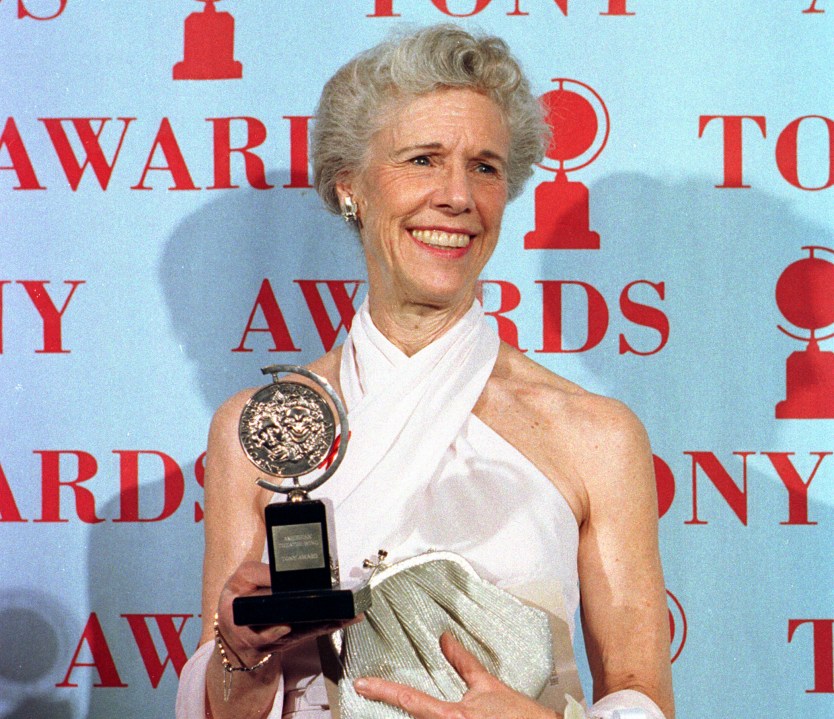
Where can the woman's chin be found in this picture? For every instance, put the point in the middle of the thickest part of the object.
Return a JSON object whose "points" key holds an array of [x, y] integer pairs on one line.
{"points": [[443, 295]]}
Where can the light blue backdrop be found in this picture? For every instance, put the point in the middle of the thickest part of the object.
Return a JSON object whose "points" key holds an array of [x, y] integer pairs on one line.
{"points": [[170, 279]]}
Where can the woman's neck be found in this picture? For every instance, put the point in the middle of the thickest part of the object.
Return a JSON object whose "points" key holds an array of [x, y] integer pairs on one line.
{"points": [[410, 327]]}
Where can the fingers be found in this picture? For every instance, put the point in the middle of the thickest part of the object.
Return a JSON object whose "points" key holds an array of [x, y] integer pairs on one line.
{"points": [[248, 641], [464, 662], [266, 636], [412, 701], [249, 577], [419, 704]]}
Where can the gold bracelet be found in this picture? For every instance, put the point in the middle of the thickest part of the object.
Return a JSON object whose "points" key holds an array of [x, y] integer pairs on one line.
{"points": [[228, 668]]}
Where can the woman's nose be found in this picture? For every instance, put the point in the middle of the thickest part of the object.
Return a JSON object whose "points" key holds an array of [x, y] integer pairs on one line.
{"points": [[454, 190]]}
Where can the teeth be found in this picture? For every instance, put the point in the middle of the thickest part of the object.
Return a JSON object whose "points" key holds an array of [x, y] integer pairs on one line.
{"points": [[441, 239]]}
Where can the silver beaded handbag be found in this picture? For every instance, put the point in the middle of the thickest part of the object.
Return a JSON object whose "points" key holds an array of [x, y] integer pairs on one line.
{"points": [[414, 602]]}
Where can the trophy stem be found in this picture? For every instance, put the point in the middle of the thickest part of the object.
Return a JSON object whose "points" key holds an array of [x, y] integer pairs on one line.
{"points": [[297, 495]]}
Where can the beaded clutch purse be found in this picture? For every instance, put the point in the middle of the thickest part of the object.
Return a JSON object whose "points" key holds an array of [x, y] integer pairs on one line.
{"points": [[414, 602]]}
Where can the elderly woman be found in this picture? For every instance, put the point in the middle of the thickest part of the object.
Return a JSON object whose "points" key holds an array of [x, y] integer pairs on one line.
{"points": [[420, 142]]}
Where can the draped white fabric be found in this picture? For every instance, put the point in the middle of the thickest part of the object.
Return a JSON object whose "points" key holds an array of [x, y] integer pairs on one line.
{"points": [[404, 413]]}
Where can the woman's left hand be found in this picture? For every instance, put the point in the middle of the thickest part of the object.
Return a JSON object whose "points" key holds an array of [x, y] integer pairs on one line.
{"points": [[486, 697]]}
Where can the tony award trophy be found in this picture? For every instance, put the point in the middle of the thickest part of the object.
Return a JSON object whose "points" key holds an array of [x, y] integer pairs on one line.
{"points": [[287, 430]]}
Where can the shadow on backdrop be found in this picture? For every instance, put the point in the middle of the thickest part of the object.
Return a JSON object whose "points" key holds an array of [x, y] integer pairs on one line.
{"points": [[35, 657], [215, 262], [719, 254]]}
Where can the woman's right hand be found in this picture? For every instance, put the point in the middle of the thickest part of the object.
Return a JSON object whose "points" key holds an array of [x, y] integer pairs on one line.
{"points": [[252, 693], [251, 643]]}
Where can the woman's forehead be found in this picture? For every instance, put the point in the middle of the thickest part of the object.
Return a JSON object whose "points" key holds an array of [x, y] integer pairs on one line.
{"points": [[442, 116]]}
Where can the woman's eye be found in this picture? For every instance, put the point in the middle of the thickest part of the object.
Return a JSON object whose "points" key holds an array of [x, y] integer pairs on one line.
{"points": [[421, 161], [486, 168]]}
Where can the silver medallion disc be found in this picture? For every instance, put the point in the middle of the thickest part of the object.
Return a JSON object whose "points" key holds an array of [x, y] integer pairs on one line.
{"points": [[287, 429]]}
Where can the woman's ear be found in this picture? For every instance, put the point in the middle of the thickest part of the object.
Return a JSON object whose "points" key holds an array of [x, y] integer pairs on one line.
{"points": [[348, 203], [345, 187]]}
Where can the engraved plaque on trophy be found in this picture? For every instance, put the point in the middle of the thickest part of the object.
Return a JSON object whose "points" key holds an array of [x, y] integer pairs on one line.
{"points": [[287, 429]]}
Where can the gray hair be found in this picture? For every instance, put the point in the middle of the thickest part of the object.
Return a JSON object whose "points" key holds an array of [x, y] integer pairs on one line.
{"points": [[353, 104]]}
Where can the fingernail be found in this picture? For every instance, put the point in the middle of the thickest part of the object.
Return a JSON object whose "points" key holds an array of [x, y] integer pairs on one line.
{"points": [[361, 684]]}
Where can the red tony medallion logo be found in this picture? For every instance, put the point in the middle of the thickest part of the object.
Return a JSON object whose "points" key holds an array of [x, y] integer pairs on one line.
{"points": [[580, 124], [805, 296], [209, 52]]}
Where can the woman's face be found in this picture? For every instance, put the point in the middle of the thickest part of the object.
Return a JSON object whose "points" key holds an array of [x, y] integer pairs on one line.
{"points": [[431, 197]]}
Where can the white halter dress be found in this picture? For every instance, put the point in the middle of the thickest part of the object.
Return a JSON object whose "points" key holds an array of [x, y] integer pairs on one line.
{"points": [[421, 472]]}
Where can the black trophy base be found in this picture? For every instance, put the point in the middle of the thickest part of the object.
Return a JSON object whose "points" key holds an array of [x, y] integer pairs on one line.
{"points": [[302, 606]]}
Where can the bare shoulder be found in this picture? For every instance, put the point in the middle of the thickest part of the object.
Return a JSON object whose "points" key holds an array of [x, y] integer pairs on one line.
{"points": [[540, 398], [576, 438], [228, 414]]}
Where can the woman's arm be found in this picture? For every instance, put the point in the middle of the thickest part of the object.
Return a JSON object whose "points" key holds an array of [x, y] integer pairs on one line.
{"points": [[597, 454], [234, 545], [234, 534], [623, 597]]}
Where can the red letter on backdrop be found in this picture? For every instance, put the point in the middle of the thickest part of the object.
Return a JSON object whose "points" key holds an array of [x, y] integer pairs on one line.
{"points": [[21, 164], [50, 315], [23, 11], [85, 501], [275, 324], [813, 8], [8, 507], [787, 152], [200, 476], [665, 482], [722, 481], [823, 653], [384, 8], [510, 299], [480, 5], [344, 305], [518, 12], [172, 481], [166, 141], [618, 7], [645, 316], [254, 165], [102, 662], [299, 150], [797, 488], [171, 636], [94, 155], [733, 144], [552, 316]]}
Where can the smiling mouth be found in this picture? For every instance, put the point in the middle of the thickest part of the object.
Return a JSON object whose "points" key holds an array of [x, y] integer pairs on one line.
{"points": [[438, 238]]}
